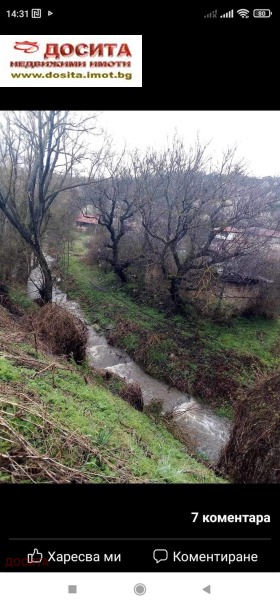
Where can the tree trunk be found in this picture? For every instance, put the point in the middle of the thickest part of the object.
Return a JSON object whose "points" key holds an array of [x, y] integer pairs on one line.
{"points": [[120, 273], [117, 265], [174, 291], [46, 287]]}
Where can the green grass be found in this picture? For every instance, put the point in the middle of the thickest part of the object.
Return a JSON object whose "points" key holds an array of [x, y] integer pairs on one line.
{"points": [[130, 342], [8, 372], [19, 297], [254, 336], [104, 299], [79, 245], [225, 411], [134, 445]]}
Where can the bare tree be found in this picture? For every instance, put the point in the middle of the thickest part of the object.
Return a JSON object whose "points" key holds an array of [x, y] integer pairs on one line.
{"points": [[115, 202], [42, 154], [184, 210]]}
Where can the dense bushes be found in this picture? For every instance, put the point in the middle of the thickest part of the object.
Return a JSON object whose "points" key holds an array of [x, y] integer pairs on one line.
{"points": [[253, 451]]}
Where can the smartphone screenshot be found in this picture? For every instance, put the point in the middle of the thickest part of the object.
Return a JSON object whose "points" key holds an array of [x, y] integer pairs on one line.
{"points": [[139, 305]]}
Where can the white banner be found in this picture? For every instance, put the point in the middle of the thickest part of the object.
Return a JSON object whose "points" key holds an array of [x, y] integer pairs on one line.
{"points": [[70, 61]]}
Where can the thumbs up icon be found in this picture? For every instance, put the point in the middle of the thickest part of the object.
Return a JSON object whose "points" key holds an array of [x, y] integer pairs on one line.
{"points": [[35, 557]]}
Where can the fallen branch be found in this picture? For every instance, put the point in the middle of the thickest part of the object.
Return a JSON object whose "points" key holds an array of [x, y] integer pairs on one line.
{"points": [[48, 467], [39, 372]]}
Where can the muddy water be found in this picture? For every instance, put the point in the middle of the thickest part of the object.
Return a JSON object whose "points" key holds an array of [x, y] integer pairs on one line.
{"points": [[208, 431]]}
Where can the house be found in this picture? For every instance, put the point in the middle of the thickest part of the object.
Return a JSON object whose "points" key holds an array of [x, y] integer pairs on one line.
{"points": [[241, 290], [241, 280], [270, 235], [83, 221], [230, 238]]}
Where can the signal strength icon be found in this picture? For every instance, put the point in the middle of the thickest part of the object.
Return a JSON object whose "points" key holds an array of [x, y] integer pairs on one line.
{"points": [[228, 15], [243, 12], [212, 15]]}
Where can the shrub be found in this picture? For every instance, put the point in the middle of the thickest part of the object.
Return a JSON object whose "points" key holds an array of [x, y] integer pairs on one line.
{"points": [[253, 451], [131, 392], [62, 331]]}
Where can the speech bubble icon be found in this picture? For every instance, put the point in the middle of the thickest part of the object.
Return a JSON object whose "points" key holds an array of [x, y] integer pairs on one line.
{"points": [[160, 555]]}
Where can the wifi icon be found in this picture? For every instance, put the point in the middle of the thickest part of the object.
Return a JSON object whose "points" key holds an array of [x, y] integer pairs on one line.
{"points": [[243, 12]]}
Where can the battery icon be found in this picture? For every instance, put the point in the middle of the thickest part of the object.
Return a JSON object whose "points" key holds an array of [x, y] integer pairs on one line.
{"points": [[262, 13]]}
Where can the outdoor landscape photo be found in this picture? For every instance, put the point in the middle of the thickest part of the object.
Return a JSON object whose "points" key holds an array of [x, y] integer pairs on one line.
{"points": [[139, 297]]}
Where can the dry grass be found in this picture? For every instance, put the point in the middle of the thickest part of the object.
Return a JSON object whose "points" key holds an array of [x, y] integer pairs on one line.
{"points": [[253, 451], [21, 409], [24, 461], [6, 320], [58, 444], [64, 333]]}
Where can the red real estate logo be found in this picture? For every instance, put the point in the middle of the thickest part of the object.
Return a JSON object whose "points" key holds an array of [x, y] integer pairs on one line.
{"points": [[107, 49], [26, 46]]}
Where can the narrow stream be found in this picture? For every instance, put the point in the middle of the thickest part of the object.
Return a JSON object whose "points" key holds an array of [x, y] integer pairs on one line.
{"points": [[194, 419]]}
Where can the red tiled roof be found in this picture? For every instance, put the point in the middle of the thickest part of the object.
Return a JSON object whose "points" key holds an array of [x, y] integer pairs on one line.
{"points": [[258, 231], [89, 219]]}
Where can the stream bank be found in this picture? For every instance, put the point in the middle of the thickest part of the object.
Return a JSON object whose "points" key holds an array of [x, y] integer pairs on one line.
{"points": [[195, 420]]}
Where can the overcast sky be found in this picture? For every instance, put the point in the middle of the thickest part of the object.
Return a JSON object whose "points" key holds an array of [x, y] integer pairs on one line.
{"points": [[257, 134]]}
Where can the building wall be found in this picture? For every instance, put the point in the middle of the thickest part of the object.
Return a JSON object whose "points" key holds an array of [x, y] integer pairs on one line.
{"points": [[239, 295], [153, 276], [90, 227]]}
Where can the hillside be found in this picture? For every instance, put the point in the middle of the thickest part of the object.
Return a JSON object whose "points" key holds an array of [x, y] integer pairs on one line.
{"points": [[60, 423]]}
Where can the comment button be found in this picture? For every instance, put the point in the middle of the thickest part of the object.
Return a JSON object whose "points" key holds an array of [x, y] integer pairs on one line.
{"points": [[160, 555]]}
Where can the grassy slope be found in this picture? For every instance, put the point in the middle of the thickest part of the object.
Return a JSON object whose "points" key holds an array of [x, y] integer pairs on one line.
{"points": [[211, 361], [83, 428]]}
